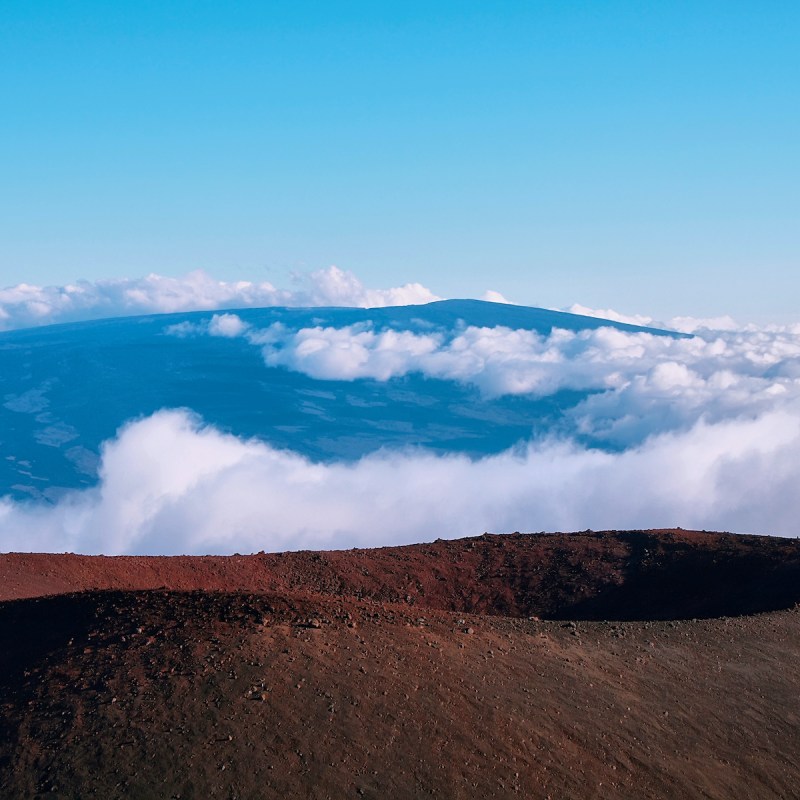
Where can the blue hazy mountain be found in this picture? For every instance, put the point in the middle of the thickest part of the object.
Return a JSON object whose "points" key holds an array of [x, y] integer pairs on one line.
{"points": [[64, 389]]}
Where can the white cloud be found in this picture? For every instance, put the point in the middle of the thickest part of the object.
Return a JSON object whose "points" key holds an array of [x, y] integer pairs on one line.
{"points": [[681, 324], [228, 326], [337, 287], [498, 360], [171, 485], [345, 353], [27, 306], [184, 329], [696, 325], [609, 313], [491, 296], [640, 383]]}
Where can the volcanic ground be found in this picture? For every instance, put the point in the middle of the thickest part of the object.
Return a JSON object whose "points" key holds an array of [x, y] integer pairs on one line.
{"points": [[640, 664]]}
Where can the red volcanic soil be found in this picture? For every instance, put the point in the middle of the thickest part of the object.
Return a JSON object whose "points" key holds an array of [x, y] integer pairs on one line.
{"points": [[663, 574], [666, 667]]}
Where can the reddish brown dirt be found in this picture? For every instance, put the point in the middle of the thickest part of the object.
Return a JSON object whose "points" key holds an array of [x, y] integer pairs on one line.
{"points": [[665, 574], [290, 684]]}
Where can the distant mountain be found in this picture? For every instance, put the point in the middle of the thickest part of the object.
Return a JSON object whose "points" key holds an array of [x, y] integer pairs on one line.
{"points": [[64, 389]]}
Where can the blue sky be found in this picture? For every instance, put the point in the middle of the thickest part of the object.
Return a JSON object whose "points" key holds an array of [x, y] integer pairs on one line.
{"points": [[640, 156]]}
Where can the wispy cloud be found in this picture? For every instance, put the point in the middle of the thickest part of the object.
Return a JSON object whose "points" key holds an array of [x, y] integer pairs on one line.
{"points": [[683, 324], [609, 313]]}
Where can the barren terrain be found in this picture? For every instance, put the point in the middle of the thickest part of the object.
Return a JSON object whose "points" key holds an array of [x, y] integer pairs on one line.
{"points": [[644, 664]]}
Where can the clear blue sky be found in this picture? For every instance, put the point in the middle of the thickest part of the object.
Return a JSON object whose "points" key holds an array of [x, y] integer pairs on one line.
{"points": [[638, 155]]}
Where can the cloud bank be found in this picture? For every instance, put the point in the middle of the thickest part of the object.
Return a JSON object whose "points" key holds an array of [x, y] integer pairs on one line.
{"points": [[637, 384], [25, 306], [171, 485]]}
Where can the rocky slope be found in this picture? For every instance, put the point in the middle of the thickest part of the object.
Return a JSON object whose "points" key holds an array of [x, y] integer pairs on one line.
{"points": [[408, 672]]}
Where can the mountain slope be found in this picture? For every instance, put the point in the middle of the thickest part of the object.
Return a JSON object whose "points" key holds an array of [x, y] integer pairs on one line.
{"points": [[307, 690]]}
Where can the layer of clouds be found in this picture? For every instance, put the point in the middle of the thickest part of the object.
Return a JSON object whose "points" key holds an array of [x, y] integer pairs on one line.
{"points": [[171, 485], [637, 383], [26, 306]]}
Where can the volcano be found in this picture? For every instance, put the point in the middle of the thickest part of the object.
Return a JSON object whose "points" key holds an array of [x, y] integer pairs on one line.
{"points": [[644, 664]]}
